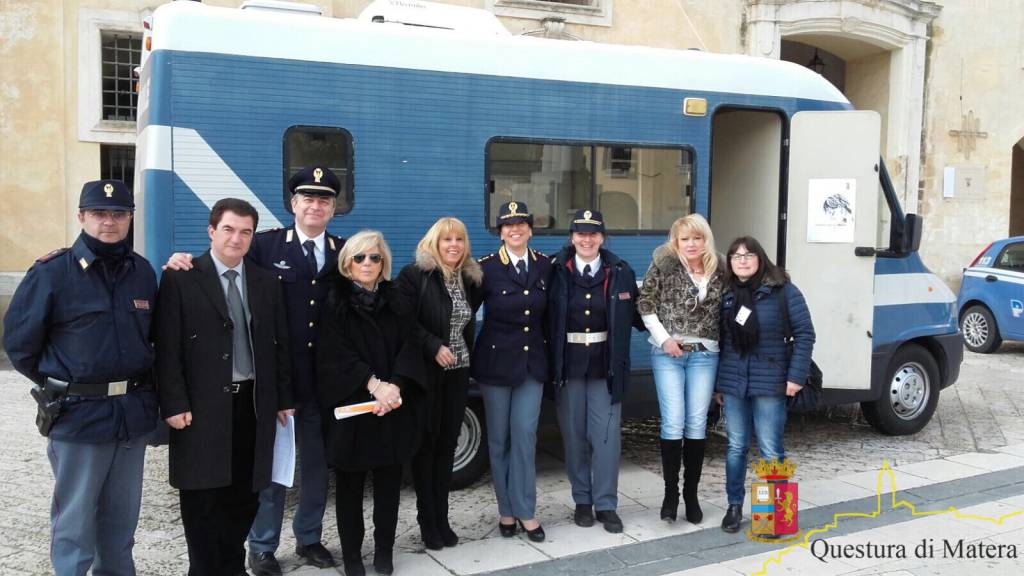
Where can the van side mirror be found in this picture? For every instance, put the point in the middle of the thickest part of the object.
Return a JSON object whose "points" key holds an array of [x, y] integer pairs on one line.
{"points": [[911, 240]]}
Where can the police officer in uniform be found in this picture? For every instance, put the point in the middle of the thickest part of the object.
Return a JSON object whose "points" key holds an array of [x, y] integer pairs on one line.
{"points": [[304, 257], [78, 328], [510, 364], [592, 311]]}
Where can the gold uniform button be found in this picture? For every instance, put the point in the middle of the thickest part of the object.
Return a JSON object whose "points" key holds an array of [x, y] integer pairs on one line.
{"points": [[279, 278], [309, 344], [587, 330], [586, 312], [527, 312], [526, 328], [313, 282], [588, 296], [526, 348], [526, 292], [311, 324], [586, 344], [312, 302]]}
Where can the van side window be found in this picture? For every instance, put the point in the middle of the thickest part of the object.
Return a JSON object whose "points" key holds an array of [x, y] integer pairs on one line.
{"points": [[637, 189], [321, 145]]}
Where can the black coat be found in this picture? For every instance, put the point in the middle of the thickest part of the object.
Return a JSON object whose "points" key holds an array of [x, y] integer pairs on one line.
{"points": [[620, 298], [193, 361], [511, 345], [355, 343]]}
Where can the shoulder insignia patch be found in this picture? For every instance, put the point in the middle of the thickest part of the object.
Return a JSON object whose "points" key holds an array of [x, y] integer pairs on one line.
{"points": [[52, 255], [537, 254], [485, 258], [269, 230]]}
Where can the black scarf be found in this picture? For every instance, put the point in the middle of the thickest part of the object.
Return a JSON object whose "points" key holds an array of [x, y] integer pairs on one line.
{"points": [[745, 335], [110, 257], [363, 299]]}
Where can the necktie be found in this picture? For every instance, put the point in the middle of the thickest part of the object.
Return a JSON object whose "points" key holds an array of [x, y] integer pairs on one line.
{"points": [[521, 268], [241, 353], [586, 270], [310, 247]]}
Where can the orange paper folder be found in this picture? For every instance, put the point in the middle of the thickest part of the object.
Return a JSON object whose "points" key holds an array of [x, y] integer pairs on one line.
{"points": [[342, 412]]}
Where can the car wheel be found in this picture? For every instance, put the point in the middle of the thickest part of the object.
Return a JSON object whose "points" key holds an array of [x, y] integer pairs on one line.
{"points": [[979, 328], [471, 457], [909, 395]]}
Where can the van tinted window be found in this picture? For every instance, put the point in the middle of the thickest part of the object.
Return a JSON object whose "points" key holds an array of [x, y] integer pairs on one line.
{"points": [[637, 189], [325, 146]]}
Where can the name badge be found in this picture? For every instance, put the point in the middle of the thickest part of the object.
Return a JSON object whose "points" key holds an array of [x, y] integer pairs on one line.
{"points": [[742, 315], [625, 295], [141, 304]]}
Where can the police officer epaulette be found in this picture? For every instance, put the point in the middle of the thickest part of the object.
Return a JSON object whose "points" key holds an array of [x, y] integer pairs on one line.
{"points": [[52, 255], [278, 229], [537, 254], [486, 258]]}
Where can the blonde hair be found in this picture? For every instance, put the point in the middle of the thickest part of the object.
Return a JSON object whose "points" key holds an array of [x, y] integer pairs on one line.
{"points": [[359, 243], [695, 224], [430, 241]]}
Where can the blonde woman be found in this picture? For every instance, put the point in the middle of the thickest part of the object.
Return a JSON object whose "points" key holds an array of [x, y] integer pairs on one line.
{"points": [[363, 355], [680, 306], [438, 294]]}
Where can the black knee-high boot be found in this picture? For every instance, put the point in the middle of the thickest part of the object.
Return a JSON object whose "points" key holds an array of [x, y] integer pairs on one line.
{"points": [[670, 456], [693, 464]]}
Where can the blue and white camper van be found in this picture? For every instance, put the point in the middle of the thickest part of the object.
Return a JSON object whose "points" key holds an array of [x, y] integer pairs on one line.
{"points": [[428, 110]]}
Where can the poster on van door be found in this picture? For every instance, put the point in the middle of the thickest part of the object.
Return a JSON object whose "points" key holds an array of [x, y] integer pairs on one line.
{"points": [[831, 207]]}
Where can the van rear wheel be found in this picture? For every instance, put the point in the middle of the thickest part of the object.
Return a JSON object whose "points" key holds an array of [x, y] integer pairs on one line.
{"points": [[909, 395], [979, 328], [471, 457]]}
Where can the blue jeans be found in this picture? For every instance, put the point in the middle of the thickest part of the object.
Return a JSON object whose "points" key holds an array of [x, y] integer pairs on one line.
{"points": [[685, 385], [96, 496], [768, 415]]}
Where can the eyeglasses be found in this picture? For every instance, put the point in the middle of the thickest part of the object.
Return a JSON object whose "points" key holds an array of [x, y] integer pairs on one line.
{"points": [[375, 258], [118, 215], [738, 257]]}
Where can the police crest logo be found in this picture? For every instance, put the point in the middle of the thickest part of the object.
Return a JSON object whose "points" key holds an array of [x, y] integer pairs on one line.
{"points": [[774, 502], [587, 215], [317, 175], [108, 189], [513, 208]]}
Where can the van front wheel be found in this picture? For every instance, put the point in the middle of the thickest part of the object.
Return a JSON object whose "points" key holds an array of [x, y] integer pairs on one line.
{"points": [[471, 457], [909, 394]]}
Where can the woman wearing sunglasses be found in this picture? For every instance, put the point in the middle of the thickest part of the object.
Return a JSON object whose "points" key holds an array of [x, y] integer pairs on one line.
{"points": [[510, 364], [439, 293], [362, 356], [680, 302], [759, 369]]}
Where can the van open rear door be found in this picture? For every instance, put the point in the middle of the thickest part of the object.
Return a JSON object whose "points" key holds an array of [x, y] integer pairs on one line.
{"points": [[831, 225]]}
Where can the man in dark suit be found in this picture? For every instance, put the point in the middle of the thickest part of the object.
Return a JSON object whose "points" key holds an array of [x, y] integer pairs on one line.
{"points": [[304, 257], [224, 375]]}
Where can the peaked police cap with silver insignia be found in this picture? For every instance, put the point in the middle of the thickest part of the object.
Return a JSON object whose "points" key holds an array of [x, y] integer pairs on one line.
{"points": [[315, 181], [106, 195]]}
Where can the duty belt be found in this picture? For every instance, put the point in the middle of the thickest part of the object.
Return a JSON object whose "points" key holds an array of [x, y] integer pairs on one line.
{"points": [[586, 337], [97, 389]]}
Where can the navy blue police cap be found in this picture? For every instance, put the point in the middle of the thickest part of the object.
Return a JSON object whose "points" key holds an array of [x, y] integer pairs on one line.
{"points": [[587, 221], [106, 195], [315, 181], [513, 213]]}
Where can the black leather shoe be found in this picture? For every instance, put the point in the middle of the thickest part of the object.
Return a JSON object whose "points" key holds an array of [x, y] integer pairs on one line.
{"points": [[315, 554], [264, 564], [584, 515], [733, 517], [448, 536], [506, 530], [382, 562], [535, 535], [612, 522], [355, 568], [431, 537]]}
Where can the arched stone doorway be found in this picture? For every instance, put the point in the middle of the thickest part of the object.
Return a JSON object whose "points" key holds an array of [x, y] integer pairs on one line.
{"points": [[1017, 190], [881, 46]]}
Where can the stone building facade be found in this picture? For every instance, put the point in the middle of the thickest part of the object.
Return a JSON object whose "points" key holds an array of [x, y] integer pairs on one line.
{"points": [[945, 77]]}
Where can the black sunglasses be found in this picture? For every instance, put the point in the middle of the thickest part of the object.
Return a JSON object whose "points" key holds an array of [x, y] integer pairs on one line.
{"points": [[375, 258]]}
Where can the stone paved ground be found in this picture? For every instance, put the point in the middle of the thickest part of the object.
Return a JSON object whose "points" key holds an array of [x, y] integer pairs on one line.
{"points": [[984, 410]]}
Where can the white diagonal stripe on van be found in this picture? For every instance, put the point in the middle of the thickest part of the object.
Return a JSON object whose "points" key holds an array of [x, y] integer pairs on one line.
{"points": [[917, 288], [210, 178], [1010, 276]]}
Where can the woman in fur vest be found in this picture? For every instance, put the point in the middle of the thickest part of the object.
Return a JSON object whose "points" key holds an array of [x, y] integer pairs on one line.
{"points": [[680, 305], [439, 294]]}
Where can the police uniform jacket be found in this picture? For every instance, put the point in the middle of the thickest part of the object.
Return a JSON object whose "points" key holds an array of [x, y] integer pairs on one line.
{"points": [[618, 292], [193, 342], [361, 339], [511, 345], [279, 251], [65, 323]]}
